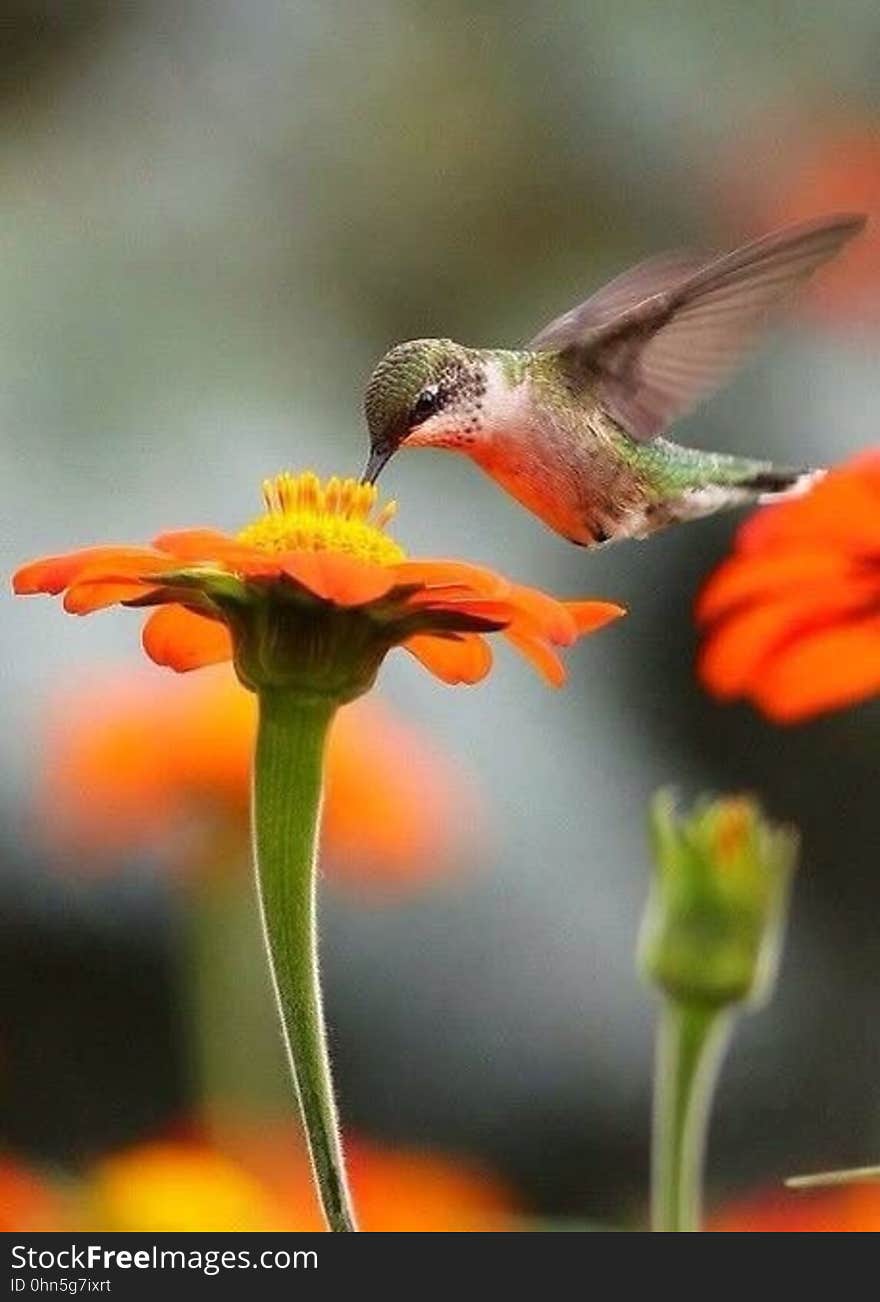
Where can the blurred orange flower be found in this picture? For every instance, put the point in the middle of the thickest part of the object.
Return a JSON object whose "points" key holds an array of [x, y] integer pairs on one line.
{"points": [[315, 554], [28, 1201], [792, 619], [800, 170], [848, 1209], [139, 761], [261, 1181]]}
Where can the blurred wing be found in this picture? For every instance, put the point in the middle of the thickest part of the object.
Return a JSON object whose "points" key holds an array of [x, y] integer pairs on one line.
{"points": [[654, 276], [660, 337]]}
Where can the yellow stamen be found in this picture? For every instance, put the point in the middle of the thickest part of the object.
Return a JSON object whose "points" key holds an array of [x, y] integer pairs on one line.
{"points": [[304, 515]]}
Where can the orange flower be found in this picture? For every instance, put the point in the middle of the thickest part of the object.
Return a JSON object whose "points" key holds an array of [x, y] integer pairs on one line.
{"points": [[260, 1182], [850, 1209], [796, 171], [28, 1202], [307, 601], [163, 764], [416, 816], [792, 619], [314, 555], [171, 1186]]}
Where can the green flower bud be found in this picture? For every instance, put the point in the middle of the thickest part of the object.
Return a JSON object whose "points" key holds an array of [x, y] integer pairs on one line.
{"points": [[713, 928]]}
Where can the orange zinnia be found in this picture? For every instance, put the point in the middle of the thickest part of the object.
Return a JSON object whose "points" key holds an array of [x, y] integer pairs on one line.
{"points": [[851, 1209], [792, 619], [259, 1182], [801, 168], [29, 1203], [314, 553], [160, 763], [307, 601]]}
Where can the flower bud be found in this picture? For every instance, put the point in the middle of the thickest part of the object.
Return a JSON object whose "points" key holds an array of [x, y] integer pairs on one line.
{"points": [[713, 929]]}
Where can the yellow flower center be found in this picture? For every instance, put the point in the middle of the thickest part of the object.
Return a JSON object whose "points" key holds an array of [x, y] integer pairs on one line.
{"points": [[304, 515]]}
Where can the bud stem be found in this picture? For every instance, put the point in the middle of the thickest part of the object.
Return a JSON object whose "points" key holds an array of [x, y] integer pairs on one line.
{"points": [[288, 781], [691, 1041]]}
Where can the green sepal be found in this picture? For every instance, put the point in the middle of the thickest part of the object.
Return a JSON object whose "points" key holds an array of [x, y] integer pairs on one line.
{"points": [[715, 920]]}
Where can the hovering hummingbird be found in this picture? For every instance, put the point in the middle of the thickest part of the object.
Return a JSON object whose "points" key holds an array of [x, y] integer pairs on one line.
{"points": [[572, 425]]}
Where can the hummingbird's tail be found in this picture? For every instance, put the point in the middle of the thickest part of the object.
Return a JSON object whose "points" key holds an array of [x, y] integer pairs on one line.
{"points": [[697, 484], [774, 483]]}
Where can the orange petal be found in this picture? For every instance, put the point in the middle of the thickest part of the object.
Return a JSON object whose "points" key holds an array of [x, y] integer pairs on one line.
{"points": [[755, 576], [54, 573], [842, 510], [866, 464], [539, 655], [84, 598], [97, 586], [734, 650], [180, 639], [203, 545], [845, 1209], [440, 593], [737, 648], [834, 668], [592, 615], [455, 573], [548, 617], [464, 659], [336, 577], [498, 613]]}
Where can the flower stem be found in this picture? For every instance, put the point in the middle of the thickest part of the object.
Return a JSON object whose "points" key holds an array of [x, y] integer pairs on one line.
{"points": [[691, 1041], [288, 779]]}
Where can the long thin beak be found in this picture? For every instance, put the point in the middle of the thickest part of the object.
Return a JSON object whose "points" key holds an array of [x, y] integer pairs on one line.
{"points": [[378, 458]]}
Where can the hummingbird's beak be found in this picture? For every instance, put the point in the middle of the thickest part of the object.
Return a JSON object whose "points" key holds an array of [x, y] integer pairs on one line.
{"points": [[376, 461]]}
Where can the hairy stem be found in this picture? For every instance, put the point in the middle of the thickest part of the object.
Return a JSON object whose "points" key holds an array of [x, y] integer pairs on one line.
{"points": [[288, 780]]}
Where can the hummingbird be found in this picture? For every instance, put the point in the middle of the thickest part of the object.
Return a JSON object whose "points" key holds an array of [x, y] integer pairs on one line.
{"points": [[573, 425]]}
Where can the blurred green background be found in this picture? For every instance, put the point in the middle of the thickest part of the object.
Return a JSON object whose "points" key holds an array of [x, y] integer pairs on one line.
{"points": [[214, 219]]}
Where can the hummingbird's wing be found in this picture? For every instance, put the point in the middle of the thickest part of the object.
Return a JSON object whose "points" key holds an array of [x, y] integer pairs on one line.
{"points": [[661, 336]]}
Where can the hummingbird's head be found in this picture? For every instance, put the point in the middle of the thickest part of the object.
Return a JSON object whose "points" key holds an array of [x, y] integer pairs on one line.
{"points": [[425, 393]]}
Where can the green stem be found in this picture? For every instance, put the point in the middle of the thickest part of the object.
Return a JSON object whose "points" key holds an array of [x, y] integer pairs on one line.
{"points": [[691, 1041], [288, 779]]}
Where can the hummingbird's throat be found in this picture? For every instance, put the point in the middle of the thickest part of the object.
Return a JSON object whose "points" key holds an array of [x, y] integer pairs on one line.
{"points": [[304, 515]]}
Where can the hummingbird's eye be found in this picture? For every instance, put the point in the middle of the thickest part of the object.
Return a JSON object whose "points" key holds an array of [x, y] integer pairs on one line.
{"points": [[426, 404]]}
